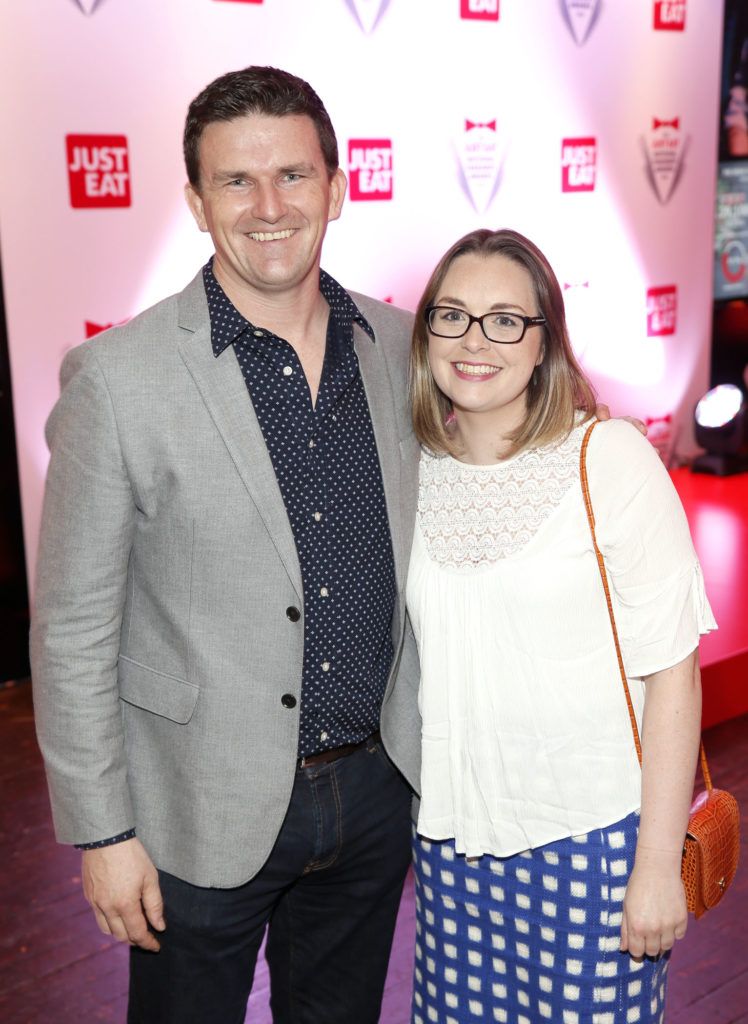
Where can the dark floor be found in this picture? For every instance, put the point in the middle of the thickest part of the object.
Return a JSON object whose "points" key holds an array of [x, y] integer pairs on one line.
{"points": [[55, 966]]}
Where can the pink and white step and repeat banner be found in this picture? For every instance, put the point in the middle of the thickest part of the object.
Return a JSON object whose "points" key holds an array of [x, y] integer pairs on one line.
{"points": [[589, 125]]}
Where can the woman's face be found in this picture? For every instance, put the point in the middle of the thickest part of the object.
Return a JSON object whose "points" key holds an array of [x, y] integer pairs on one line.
{"points": [[478, 375]]}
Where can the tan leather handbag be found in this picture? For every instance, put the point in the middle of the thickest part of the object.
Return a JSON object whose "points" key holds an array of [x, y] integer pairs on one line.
{"points": [[712, 843]]}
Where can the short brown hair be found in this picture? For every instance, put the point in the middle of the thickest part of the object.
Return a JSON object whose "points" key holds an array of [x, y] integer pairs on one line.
{"points": [[558, 386], [255, 90]]}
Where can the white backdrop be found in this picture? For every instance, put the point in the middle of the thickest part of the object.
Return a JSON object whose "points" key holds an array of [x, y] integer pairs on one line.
{"points": [[590, 125]]}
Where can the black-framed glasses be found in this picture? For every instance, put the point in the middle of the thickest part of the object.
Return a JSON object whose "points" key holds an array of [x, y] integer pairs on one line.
{"points": [[499, 325]]}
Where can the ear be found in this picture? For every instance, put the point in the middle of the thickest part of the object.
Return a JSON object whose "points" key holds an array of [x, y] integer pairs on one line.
{"points": [[195, 204], [338, 186]]}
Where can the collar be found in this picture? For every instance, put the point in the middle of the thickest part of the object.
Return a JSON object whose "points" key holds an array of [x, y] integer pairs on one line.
{"points": [[227, 324]]}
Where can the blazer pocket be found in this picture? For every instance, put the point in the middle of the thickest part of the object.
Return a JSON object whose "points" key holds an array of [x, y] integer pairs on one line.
{"points": [[157, 692]]}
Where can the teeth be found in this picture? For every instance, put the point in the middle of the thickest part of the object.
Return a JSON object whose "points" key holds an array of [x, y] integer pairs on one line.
{"points": [[269, 236], [476, 371]]}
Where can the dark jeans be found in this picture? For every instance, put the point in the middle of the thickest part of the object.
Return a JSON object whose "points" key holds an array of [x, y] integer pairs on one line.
{"points": [[330, 891]]}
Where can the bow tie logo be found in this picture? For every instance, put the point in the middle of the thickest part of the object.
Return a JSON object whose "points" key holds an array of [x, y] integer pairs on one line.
{"points": [[469, 125], [656, 123], [649, 420]]}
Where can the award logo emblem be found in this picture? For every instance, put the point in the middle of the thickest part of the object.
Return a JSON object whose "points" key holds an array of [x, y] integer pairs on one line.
{"points": [[669, 16], [662, 308], [480, 10], [480, 158], [578, 165], [664, 154], [368, 12], [88, 6], [370, 169], [581, 17], [98, 170]]}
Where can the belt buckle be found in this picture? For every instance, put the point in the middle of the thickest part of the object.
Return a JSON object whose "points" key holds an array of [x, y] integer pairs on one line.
{"points": [[310, 760]]}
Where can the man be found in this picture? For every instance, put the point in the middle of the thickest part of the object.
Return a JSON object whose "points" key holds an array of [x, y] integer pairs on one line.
{"points": [[220, 619]]}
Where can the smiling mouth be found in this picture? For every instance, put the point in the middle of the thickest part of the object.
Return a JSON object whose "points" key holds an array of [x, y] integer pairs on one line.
{"points": [[477, 370], [270, 236]]}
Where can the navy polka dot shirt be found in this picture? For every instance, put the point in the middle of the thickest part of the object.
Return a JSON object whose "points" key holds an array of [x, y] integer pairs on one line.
{"points": [[326, 463]]}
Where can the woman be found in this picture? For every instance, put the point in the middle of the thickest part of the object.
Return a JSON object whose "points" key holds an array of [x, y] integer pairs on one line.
{"points": [[535, 898]]}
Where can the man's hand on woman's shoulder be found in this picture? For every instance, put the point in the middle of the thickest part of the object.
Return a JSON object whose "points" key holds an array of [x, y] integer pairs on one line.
{"points": [[602, 412]]}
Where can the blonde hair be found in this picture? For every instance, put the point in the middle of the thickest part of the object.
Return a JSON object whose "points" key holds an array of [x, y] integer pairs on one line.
{"points": [[558, 386]]}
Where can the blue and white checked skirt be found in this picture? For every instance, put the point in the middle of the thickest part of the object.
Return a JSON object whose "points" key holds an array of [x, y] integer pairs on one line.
{"points": [[532, 937]]}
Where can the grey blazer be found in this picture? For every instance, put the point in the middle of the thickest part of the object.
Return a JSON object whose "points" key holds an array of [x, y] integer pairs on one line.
{"points": [[160, 643]]}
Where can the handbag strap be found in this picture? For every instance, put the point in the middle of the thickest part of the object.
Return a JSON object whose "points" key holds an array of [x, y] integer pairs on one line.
{"points": [[604, 577]]}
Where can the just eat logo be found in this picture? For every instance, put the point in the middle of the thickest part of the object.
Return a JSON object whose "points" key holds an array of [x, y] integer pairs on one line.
{"points": [[670, 16], [480, 10], [578, 165], [662, 308], [98, 170], [370, 168]]}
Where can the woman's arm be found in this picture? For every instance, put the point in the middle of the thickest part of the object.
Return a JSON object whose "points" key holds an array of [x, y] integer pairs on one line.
{"points": [[654, 909]]}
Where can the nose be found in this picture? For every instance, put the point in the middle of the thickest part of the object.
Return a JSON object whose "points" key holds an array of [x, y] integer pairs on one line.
{"points": [[267, 203], [475, 340]]}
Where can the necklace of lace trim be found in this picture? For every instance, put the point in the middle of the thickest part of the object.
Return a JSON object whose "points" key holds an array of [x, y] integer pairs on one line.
{"points": [[472, 516]]}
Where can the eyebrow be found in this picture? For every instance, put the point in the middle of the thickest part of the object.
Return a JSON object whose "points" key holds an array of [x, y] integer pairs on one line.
{"points": [[301, 166], [449, 300], [219, 176]]}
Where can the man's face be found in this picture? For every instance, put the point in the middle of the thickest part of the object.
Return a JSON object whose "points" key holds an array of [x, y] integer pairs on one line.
{"points": [[266, 198]]}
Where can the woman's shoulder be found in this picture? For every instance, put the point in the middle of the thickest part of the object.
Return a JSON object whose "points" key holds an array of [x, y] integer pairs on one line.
{"points": [[622, 463], [618, 442]]}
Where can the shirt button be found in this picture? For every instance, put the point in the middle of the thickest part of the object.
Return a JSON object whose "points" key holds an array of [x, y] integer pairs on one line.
{"points": [[324, 592], [325, 666], [323, 736], [312, 443], [317, 516], [288, 700], [259, 334], [293, 614], [287, 371]]}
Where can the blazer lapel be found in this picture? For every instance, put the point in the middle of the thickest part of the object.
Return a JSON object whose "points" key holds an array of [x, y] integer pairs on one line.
{"points": [[222, 388], [394, 455]]}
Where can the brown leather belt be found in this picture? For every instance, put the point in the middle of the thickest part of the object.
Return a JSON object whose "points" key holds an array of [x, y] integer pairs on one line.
{"points": [[328, 756]]}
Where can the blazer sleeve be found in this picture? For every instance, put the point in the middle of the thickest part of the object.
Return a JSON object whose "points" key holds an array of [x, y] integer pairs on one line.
{"points": [[87, 529]]}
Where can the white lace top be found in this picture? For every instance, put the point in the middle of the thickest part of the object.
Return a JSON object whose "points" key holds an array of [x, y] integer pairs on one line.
{"points": [[526, 738]]}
